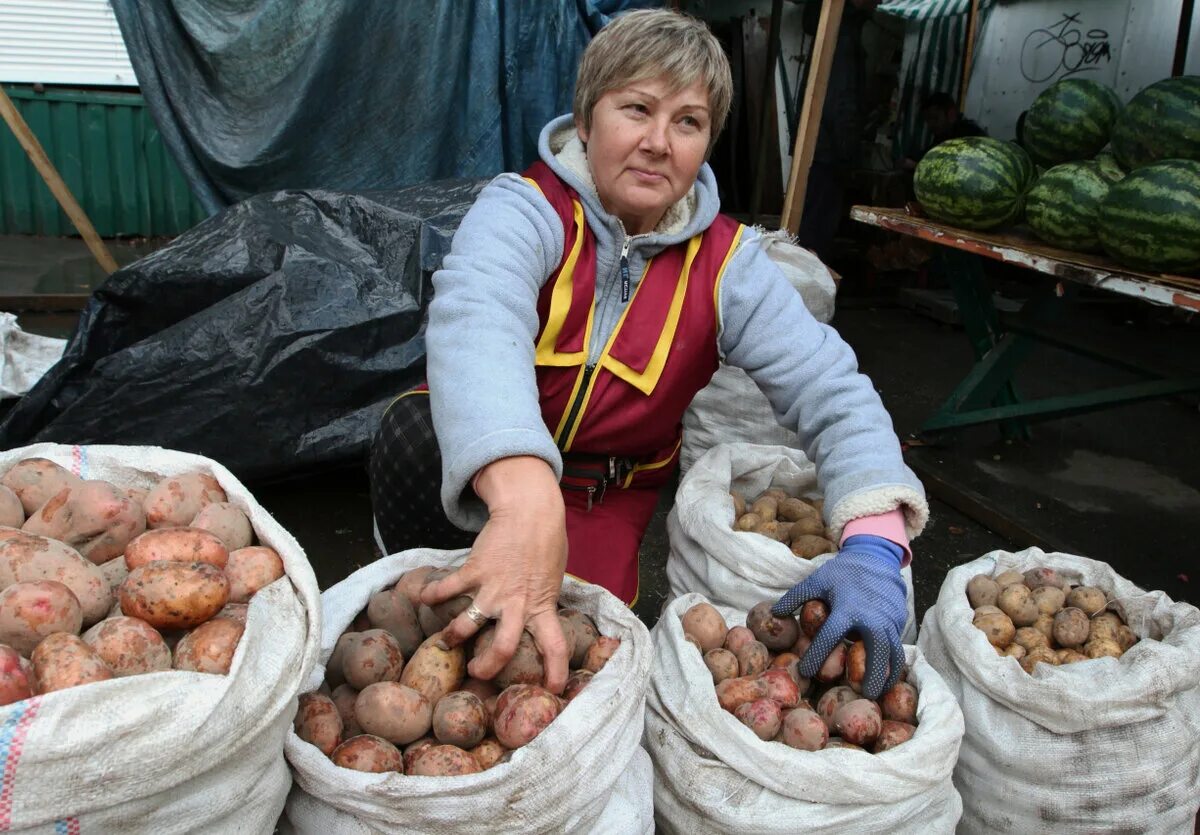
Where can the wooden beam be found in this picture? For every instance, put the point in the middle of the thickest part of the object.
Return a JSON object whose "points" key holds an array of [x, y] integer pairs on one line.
{"points": [[968, 54], [824, 45], [1181, 41], [37, 155]]}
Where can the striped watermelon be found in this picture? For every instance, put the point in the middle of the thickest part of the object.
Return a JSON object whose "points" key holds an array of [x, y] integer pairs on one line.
{"points": [[1021, 158], [1151, 219], [974, 181], [1070, 120], [1161, 122], [1109, 167], [1062, 205]]}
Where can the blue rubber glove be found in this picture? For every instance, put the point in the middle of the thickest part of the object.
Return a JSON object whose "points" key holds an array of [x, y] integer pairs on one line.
{"points": [[864, 591]]}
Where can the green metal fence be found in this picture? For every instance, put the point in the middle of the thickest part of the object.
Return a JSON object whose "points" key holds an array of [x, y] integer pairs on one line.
{"points": [[109, 151]]}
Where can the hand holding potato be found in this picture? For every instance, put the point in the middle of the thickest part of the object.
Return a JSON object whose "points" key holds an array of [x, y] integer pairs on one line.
{"points": [[515, 569]]}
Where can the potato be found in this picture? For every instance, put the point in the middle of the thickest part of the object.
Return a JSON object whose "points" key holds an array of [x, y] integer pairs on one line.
{"points": [[115, 572], [344, 696], [1104, 625], [251, 569], [489, 753], [996, 627], [63, 660], [776, 493], [856, 665], [838, 742], [576, 682], [234, 611], [459, 718], [1033, 657], [804, 730], [520, 719], [393, 712], [374, 657], [783, 659], [706, 624], [1070, 656], [1008, 578], [739, 503], [793, 510], [209, 648], [807, 546], [1089, 599], [831, 700], [1049, 599], [753, 659], [483, 689], [775, 633], [1102, 648], [35, 481], [891, 734], [1045, 625], [765, 508], [16, 682], [738, 637], [858, 722], [434, 671], [227, 522], [526, 665], [982, 590], [773, 530], [444, 761], [900, 703], [834, 666], [568, 629], [808, 526], [1126, 637], [368, 753], [29, 612], [411, 583], [318, 722], [801, 646], [437, 617], [12, 513], [1037, 578], [333, 664], [747, 522], [1016, 602], [722, 664], [1071, 627], [176, 545], [793, 670], [812, 617], [599, 653], [414, 749], [174, 502], [93, 517], [391, 611], [174, 595], [761, 716], [129, 646], [1027, 637], [1014, 651], [781, 687], [736, 691], [27, 558], [585, 634]]}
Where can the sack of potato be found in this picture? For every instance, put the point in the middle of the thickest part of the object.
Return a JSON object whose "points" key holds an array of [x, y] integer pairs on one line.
{"points": [[457, 754], [713, 773], [712, 557], [151, 648], [1073, 725]]}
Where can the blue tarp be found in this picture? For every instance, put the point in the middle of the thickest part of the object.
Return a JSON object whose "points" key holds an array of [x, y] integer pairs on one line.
{"points": [[259, 95]]}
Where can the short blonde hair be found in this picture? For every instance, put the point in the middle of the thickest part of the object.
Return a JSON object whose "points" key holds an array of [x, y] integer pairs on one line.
{"points": [[647, 44]]}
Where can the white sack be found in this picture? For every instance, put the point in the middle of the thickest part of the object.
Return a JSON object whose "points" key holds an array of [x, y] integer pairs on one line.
{"points": [[735, 568], [24, 357], [713, 775], [732, 408], [582, 774], [171, 751], [1103, 745]]}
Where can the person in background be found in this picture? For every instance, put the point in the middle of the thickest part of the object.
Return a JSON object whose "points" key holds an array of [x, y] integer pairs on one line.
{"points": [[941, 116]]}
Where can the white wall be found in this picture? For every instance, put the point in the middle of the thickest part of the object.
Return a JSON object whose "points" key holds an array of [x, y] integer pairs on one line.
{"points": [[62, 42], [1192, 65], [1026, 46]]}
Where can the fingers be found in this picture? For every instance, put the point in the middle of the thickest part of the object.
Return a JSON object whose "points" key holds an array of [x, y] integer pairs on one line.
{"points": [[462, 581], [799, 594], [460, 630], [508, 635], [882, 644], [548, 635], [898, 662], [828, 637]]}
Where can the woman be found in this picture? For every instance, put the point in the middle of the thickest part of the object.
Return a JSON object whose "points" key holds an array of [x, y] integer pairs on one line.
{"points": [[580, 309]]}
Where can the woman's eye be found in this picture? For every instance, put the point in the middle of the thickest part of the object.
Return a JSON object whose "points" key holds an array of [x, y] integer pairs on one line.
{"points": [[638, 108], [691, 122]]}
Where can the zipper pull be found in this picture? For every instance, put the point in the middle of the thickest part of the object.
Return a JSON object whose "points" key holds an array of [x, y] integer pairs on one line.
{"points": [[591, 491], [625, 271]]}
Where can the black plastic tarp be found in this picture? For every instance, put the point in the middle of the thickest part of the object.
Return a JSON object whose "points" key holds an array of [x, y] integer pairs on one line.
{"points": [[270, 337]]}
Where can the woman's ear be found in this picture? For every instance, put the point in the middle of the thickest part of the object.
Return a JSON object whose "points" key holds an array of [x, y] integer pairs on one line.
{"points": [[581, 131]]}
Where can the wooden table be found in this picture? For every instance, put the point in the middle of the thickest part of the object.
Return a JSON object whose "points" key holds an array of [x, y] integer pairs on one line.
{"points": [[1000, 343]]}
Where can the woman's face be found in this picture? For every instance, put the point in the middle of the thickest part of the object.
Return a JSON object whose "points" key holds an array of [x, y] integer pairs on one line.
{"points": [[645, 148]]}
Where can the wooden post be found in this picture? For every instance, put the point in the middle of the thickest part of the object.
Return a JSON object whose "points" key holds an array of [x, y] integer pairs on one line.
{"points": [[37, 155], [821, 62], [968, 55]]}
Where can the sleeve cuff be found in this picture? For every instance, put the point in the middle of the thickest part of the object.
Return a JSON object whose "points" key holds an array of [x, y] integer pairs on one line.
{"points": [[888, 525]]}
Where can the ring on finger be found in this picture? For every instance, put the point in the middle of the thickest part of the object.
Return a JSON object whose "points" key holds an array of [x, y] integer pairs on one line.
{"points": [[476, 614]]}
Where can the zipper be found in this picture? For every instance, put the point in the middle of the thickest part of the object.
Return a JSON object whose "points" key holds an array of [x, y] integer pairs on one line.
{"points": [[625, 270], [576, 405]]}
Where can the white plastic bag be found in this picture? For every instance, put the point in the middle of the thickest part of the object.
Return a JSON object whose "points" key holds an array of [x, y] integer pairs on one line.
{"points": [[582, 774], [1103, 745], [732, 408], [171, 751], [713, 775], [735, 568], [24, 357]]}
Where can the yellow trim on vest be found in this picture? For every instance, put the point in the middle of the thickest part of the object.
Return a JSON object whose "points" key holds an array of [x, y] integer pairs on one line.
{"points": [[400, 397], [560, 306], [534, 183], [737, 236], [657, 465]]}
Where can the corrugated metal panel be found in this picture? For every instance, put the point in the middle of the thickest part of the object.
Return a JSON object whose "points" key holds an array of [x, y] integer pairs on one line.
{"points": [[62, 42], [109, 152]]}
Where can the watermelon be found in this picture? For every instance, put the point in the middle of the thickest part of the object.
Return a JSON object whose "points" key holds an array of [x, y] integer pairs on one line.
{"points": [[1070, 120], [1109, 167], [1150, 220], [974, 181], [1160, 122], [1062, 205], [1021, 158]]}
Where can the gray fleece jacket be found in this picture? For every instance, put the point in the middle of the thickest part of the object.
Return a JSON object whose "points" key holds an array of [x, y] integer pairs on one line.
{"points": [[483, 323]]}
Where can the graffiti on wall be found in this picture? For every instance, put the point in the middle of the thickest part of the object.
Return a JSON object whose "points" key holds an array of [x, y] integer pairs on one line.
{"points": [[1065, 47]]}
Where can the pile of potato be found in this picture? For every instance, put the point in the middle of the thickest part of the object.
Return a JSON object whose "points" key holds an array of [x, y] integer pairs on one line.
{"points": [[756, 672], [792, 520], [396, 699], [159, 579], [1038, 617]]}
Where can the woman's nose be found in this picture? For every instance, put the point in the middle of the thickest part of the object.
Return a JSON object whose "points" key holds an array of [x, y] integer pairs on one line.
{"points": [[655, 139]]}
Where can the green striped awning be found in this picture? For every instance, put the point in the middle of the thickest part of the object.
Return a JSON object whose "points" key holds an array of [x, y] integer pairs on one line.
{"points": [[928, 9]]}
